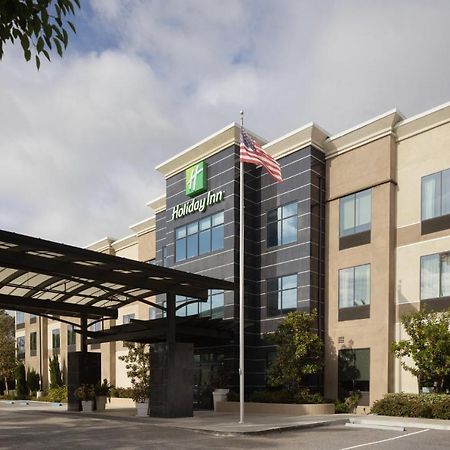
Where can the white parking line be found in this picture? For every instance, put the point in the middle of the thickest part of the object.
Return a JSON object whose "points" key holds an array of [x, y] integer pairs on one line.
{"points": [[385, 440]]}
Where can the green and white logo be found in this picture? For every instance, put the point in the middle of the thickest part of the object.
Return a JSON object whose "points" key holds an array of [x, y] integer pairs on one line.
{"points": [[196, 179]]}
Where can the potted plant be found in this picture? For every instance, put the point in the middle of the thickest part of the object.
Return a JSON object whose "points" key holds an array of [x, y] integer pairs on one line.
{"points": [[219, 380], [102, 394], [138, 370], [86, 393]]}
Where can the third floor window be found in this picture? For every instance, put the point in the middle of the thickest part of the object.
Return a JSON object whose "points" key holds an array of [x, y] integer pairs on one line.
{"points": [[355, 213], [436, 195], [282, 225]]}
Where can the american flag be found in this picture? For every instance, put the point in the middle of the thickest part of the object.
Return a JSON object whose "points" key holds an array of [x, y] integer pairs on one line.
{"points": [[251, 152]]}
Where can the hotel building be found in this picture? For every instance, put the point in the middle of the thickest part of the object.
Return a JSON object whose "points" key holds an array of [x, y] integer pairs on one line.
{"points": [[358, 231]]}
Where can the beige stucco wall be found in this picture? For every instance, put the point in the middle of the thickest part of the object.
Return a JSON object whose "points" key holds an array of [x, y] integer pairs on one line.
{"points": [[348, 173]]}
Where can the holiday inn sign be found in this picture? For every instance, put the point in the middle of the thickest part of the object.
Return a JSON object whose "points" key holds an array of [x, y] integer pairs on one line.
{"points": [[196, 184]]}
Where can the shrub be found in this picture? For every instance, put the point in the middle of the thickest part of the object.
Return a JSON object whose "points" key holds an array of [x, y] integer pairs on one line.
{"points": [[233, 396], [121, 392], [33, 380], [432, 406], [341, 408], [85, 392], [57, 394], [21, 382], [55, 372]]}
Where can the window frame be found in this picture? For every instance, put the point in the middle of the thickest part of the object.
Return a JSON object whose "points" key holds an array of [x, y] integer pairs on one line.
{"points": [[196, 236], [56, 338], [279, 222], [33, 340], [441, 302], [280, 311], [204, 309], [21, 354], [129, 317], [357, 236]]}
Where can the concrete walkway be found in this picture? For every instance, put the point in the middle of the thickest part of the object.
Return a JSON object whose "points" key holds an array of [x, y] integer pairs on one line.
{"points": [[228, 423]]}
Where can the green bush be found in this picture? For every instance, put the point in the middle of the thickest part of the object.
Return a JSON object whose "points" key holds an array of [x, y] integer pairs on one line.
{"points": [[33, 380], [122, 392], [431, 406], [57, 394], [303, 396], [233, 396], [22, 390]]}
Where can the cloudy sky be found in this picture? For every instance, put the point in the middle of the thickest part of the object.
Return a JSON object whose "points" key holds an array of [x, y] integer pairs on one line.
{"points": [[144, 79]]}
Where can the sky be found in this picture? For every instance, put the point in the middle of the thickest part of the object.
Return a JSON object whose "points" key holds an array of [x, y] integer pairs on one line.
{"points": [[142, 80]]}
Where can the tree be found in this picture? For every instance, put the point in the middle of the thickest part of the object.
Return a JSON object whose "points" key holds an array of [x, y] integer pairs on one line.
{"points": [[55, 373], [428, 346], [21, 382], [37, 24], [8, 360], [33, 379], [138, 370], [300, 351]]}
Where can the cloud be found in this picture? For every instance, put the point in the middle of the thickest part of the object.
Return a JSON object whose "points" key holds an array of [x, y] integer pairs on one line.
{"points": [[144, 80]]}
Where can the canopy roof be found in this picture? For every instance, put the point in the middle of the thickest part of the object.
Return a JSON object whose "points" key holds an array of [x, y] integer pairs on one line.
{"points": [[197, 330], [44, 277]]}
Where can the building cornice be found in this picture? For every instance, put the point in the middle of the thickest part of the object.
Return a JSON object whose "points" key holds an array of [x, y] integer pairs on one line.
{"points": [[158, 204], [101, 245], [363, 133], [230, 135], [125, 242], [423, 122], [309, 134], [144, 226]]}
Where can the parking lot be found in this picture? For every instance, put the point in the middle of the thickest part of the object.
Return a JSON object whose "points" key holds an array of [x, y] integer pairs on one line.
{"points": [[40, 428]]}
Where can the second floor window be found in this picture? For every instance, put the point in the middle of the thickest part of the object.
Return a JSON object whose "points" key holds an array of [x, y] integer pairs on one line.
{"points": [[212, 308], [20, 342], [281, 295], [282, 225], [56, 339], [198, 238], [436, 195], [435, 276], [71, 335], [354, 286], [33, 343], [127, 318], [355, 212]]}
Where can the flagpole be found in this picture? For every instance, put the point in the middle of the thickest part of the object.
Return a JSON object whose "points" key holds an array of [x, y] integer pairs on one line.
{"points": [[241, 285]]}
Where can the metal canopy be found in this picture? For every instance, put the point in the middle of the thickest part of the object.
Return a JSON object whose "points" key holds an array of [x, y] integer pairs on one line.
{"points": [[44, 277], [193, 329]]}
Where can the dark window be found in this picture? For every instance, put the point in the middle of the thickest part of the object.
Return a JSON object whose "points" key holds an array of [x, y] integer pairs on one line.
{"points": [[200, 237], [355, 212], [164, 256], [354, 286], [20, 341], [436, 202], [436, 195], [354, 373], [71, 336], [127, 318], [33, 318], [20, 319], [33, 343], [213, 307], [435, 276], [56, 339], [281, 295], [282, 225]]}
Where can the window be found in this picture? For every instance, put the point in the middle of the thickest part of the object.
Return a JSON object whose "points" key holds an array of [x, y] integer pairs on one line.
{"points": [[354, 373], [198, 238], [56, 339], [164, 256], [435, 276], [212, 308], [436, 202], [354, 286], [97, 326], [71, 336], [281, 295], [127, 318], [20, 341], [355, 212], [20, 319], [33, 318], [33, 343], [282, 225]]}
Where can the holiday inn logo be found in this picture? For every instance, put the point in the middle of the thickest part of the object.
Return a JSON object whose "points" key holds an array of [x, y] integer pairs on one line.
{"points": [[196, 179]]}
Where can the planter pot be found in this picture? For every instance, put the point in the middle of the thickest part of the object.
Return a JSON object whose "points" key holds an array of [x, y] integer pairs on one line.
{"points": [[141, 409], [219, 395], [87, 406], [100, 402]]}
